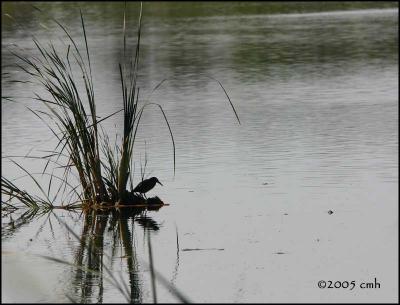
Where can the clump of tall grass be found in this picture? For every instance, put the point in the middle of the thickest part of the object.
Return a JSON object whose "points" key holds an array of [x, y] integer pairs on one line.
{"points": [[103, 171], [78, 127]]}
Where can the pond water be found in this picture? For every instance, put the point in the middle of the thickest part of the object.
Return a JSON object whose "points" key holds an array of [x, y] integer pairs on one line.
{"points": [[317, 96]]}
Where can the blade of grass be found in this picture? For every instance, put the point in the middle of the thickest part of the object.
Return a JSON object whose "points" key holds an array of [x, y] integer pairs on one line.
{"points": [[151, 262], [229, 99]]}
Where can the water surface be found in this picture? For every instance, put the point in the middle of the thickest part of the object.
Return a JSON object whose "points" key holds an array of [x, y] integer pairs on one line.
{"points": [[317, 96]]}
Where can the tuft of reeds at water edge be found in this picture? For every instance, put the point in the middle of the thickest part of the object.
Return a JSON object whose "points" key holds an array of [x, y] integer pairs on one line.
{"points": [[104, 171]]}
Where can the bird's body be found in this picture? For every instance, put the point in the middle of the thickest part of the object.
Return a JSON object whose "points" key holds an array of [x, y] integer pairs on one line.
{"points": [[146, 185]]}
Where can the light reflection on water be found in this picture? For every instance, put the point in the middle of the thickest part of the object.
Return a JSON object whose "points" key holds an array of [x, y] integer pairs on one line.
{"points": [[317, 95]]}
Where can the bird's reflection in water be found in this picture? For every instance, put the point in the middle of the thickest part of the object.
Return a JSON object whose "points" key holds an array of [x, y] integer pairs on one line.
{"points": [[148, 223], [107, 237]]}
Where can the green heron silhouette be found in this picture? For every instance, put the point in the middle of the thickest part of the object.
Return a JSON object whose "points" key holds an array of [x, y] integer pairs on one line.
{"points": [[146, 185]]}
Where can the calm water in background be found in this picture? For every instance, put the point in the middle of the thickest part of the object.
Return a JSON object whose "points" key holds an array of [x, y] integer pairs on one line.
{"points": [[317, 95]]}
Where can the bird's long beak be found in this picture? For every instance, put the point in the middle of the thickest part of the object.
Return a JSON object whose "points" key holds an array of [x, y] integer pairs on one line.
{"points": [[160, 183]]}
